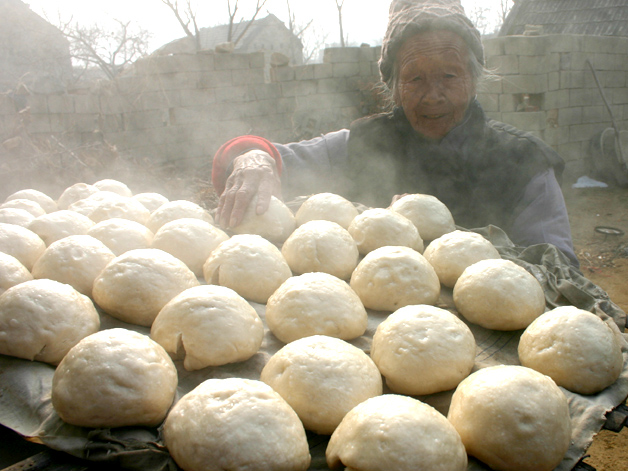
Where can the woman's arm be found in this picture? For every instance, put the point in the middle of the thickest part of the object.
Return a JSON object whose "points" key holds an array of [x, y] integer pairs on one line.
{"points": [[249, 167]]}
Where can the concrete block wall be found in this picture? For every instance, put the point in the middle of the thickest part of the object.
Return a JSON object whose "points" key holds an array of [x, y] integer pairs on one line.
{"points": [[182, 107], [564, 106]]}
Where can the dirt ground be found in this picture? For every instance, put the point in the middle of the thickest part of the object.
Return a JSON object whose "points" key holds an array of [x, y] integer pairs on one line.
{"points": [[604, 260]]}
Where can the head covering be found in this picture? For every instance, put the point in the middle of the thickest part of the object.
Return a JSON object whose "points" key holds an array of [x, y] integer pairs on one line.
{"points": [[409, 17]]}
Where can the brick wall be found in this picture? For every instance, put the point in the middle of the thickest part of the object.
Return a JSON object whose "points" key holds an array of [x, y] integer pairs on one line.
{"points": [[548, 88], [181, 108]]}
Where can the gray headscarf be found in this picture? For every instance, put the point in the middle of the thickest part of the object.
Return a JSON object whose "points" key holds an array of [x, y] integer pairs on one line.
{"points": [[409, 17]]}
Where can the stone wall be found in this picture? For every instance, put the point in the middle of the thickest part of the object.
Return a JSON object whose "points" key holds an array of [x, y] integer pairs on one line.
{"points": [[547, 87], [180, 108]]}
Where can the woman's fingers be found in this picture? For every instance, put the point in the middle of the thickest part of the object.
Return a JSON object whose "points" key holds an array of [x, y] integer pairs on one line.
{"points": [[254, 176]]}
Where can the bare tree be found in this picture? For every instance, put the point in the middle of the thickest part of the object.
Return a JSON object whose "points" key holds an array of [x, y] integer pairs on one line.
{"points": [[110, 50], [339, 5], [311, 38], [490, 19], [232, 20], [295, 29], [187, 20], [480, 17], [504, 8]]}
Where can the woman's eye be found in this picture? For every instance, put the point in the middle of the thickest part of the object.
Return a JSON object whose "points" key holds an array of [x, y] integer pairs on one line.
{"points": [[417, 79], [450, 76]]}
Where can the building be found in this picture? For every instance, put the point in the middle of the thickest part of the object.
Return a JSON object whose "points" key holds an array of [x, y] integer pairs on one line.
{"points": [[586, 17], [33, 53]]}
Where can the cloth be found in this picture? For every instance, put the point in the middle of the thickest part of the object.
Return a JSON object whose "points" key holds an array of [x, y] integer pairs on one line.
{"points": [[588, 182], [25, 386]]}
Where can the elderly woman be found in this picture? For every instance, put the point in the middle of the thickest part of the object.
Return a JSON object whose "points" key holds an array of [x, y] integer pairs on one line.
{"points": [[436, 140]]}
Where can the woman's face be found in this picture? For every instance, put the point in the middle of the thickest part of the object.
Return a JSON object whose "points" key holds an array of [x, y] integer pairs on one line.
{"points": [[434, 82]]}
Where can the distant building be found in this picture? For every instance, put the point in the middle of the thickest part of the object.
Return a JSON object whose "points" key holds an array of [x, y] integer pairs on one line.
{"points": [[267, 34], [587, 17], [33, 53]]}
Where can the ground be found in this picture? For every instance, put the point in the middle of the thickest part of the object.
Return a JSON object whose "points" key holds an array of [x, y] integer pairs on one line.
{"points": [[604, 261]]}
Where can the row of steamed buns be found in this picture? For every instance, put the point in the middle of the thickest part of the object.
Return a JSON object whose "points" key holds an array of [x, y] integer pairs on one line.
{"points": [[381, 253]]}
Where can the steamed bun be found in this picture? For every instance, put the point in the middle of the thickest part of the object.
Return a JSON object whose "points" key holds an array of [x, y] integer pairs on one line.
{"points": [[12, 272], [191, 240], [114, 186], [451, 253], [19, 217], [379, 227], [512, 418], [122, 235], [42, 319], [75, 260], [248, 264], [321, 246], [498, 294], [422, 349], [315, 304], [430, 216], [21, 243], [395, 432], [392, 277], [276, 224], [114, 378], [327, 207], [136, 285], [210, 325], [55, 226], [235, 424], [575, 348], [176, 210], [46, 202], [322, 378], [74, 193]]}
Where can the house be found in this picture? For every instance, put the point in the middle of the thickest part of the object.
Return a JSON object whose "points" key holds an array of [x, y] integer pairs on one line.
{"points": [[585, 17], [267, 34], [33, 53]]}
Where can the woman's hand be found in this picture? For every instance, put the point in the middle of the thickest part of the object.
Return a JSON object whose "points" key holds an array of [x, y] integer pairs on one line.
{"points": [[254, 175]]}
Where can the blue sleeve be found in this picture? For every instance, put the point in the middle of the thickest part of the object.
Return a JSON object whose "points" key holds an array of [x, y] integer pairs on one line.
{"points": [[543, 217], [311, 166]]}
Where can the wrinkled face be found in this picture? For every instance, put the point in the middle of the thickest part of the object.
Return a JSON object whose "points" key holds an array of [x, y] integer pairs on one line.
{"points": [[434, 82]]}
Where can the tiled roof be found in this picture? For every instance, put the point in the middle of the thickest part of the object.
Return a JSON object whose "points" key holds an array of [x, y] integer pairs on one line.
{"points": [[590, 17]]}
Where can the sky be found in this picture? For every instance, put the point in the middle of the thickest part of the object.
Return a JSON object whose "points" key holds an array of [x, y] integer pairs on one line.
{"points": [[364, 21]]}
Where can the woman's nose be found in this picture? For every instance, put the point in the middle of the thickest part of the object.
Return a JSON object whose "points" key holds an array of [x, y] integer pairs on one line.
{"points": [[433, 92]]}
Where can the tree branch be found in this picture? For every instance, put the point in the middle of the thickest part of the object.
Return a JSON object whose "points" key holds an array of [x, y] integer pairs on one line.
{"points": [[258, 8], [185, 23], [339, 5], [111, 51]]}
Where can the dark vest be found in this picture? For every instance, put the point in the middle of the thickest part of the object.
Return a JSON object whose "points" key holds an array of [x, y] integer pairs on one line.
{"points": [[479, 170]]}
